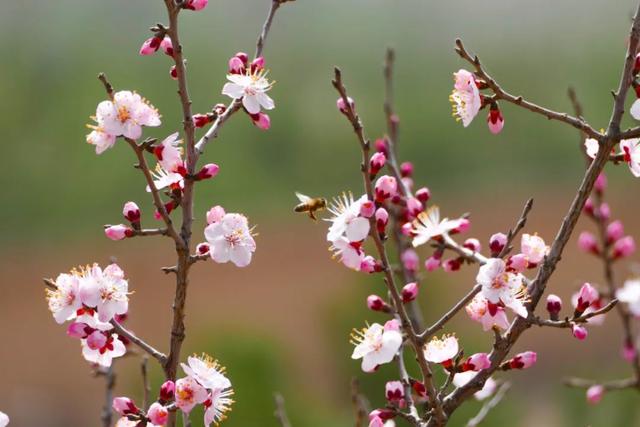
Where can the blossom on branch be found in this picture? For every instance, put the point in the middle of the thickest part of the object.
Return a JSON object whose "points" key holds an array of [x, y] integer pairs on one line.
{"points": [[465, 98], [376, 344], [231, 239], [428, 226]]}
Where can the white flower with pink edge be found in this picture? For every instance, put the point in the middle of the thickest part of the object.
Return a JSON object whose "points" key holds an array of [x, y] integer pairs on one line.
{"points": [[101, 348], [252, 88], [64, 301], [486, 313], [465, 98], [376, 344], [429, 225], [126, 114], [207, 372], [501, 286], [441, 350], [105, 290], [230, 239], [347, 220]]}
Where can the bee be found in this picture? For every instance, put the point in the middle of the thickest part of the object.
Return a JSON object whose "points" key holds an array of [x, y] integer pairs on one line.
{"points": [[310, 204]]}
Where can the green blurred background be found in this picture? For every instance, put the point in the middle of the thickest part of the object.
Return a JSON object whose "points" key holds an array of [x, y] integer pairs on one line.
{"points": [[283, 323]]}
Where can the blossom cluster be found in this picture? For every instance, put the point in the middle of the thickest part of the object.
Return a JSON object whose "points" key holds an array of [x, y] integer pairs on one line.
{"points": [[91, 298], [205, 384]]}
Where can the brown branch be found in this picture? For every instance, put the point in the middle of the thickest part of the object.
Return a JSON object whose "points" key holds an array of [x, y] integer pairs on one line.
{"points": [[484, 411], [121, 330], [501, 94], [407, 326], [450, 314], [610, 138], [281, 412], [513, 233], [146, 387], [607, 385], [359, 406], [110, 382], [568, 323]]}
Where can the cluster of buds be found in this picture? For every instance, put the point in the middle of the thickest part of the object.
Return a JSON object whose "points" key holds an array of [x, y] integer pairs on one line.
{"points": [[467, 101]]}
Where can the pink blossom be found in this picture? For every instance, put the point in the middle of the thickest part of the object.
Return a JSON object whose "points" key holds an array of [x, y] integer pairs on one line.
{"points": [[409, 292], [604, 213], [382, 219], [158, 415], [533, 247], [601, 183], [195, 4], [106, 290], [369, 265], [124, 406], [423, 194], [587, 242], [518, 262], [376, 422], [78, 330], [376, 163], [375, 303], [167, 46], [230, 239], [497, 242], [150, 46], [261, 120], [189, 393], [580, 332], [118, 232], [375, 345], [501, 286], [207, 372], [406, 228], [615, 231], [477, 362], [103, 356], [394, 391], [257, 64], [410, 260], [386, 187], [523, 360], [236, 65], [215, 214], [169, 153], [624, 247], [441, 350], [432, 263], [208, 171], [167, 391], [587, 296], [406, 169], [472, 244], [65, 300], [252, 88], [629, 351], [594, 394], [414, 207], [465, 97], [131, 212], [96, 340], [367, 209], [126, 114], [495, 121], [218, 404], [631, 150], [451, 265], [486, 313], [463, 226]]}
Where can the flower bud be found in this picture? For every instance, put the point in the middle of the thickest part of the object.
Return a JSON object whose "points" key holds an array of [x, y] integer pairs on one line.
{"points": [[589, 207], [601, 183], [343, 107], [465, 225], [370, 265], [124, 406], [208, 171], [376, 422], [624, 247], [257, 64], [219, 109], [410, 260], [375, 303], [477, 362], [615, 231], [392, 325], [78, 330], [587, 242], [167, 390], [518, 262], [414, 207], [554, 306], [382, 146], [173, 72], [261, 120], [244, 57], [195, 4], [131, 212], [628, 351], [497, 242], [406, 169], [432, 263], [472, 244], [394, 391], [96, 340], [215, 214], [236, 65], [409, 292], [521, 361], [158, 414], [200, 120], [118, 232], [167, 46], [202, 248], [407, 181], [594, 394], [580, 332], [423, 194], [367, 209], [451, 265], [386, 186], [495, 121], [407, 229], [604, 213], [382, 218], [636, 65], [150, 46], [587, 296], [376, 163]]}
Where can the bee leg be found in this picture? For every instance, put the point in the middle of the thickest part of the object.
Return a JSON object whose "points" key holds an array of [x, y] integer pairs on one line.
{"points": [[312, 216]]}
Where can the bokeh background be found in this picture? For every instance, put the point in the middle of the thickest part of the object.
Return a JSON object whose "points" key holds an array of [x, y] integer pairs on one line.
{"points": [[283, 323]]}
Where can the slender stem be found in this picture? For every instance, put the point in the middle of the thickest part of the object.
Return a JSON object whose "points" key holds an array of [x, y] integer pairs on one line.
{"points": [[281, 412], [607, 385], [450, 314], [568, 323], [146, 387], [492, 403], [360, 409], [121, 330], [110, 382]]}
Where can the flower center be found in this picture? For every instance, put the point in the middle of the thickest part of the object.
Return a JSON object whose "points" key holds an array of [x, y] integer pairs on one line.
{"points": [[123, 114]]}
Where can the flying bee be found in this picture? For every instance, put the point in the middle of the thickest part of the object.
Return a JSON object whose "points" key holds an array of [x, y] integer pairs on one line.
{"points": [[310, 204]]}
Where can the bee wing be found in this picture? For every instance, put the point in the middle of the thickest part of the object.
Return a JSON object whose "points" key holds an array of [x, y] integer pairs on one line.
{"points": [[302, 197]]}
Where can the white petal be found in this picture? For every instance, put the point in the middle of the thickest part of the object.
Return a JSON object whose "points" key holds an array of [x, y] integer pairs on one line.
{"points": [[635, 109], [251, 103], [264, 100], [358, 229], [233, 90]]}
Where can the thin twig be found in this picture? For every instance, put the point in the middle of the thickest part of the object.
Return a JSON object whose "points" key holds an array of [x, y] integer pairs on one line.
{"points": [[121, 330], [568, 323], [450, 314], [110, 382], [484, 411], [281, 412], [513, 233], [607, 385], [359, 408], [146, 387]]}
